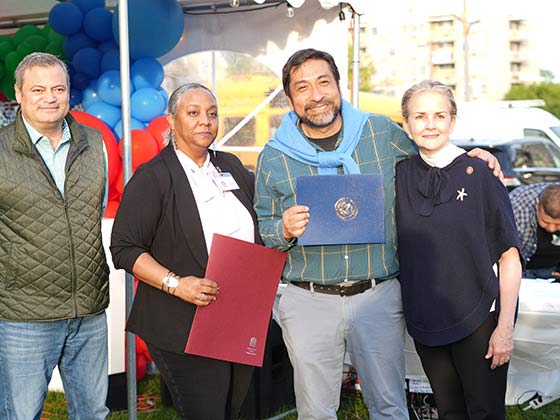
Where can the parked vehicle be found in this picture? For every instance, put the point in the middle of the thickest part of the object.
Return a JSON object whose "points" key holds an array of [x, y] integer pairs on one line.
{"points": [[523, 161], [484, 120]]}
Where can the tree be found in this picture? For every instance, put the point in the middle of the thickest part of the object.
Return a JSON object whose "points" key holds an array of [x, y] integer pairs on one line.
{"points": [[367, 69], [546, 76], [549, 92]]}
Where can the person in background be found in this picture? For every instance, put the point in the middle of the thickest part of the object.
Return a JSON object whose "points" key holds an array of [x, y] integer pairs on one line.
{"points": [[54, 280], [536, 209], [162, 234], [454, 222], [339, 298]]}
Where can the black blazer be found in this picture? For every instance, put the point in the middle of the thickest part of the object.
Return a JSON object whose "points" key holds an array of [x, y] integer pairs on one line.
{"points": [[158, 215]]}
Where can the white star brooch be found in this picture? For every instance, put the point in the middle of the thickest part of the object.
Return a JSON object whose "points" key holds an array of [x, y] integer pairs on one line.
{"points": [[461, 194]]}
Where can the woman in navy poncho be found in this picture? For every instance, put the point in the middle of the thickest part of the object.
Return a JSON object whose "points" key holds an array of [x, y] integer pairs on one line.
{"points": [[454, 222]]}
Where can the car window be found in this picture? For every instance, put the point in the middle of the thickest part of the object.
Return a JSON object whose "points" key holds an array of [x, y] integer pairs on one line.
{"points": [[533, 132], [533, 155], [555, 154], [556, 130]]}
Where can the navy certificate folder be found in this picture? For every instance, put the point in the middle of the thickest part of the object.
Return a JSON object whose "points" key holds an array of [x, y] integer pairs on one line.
{"points": [[343, 209]]}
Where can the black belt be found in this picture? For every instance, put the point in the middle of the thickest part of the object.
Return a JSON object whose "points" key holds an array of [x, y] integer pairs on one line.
{"points": [[338, 289]]}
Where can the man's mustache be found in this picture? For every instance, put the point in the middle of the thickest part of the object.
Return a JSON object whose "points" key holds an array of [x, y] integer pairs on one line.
{"points": [[312, 105]]}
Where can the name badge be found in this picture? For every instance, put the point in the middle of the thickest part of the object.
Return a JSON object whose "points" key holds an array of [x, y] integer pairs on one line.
{"points": [[225, 182]]}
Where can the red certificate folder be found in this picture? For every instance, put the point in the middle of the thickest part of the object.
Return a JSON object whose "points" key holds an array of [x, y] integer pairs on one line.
{"points": [[234, 326]]}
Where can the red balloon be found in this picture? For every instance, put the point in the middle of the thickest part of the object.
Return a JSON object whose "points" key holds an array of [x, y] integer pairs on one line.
{"points": [[142, 358], [116, 189], [141, 367], [113, 154], [144, 147], [111, 209], [119, 187], [158, 126]]}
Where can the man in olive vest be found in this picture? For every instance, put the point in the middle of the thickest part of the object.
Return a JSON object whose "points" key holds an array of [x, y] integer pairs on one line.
{"points": [[53, 275]]}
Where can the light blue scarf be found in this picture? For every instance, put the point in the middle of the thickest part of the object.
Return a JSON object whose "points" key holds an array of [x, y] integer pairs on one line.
{"points": [[289, 140]]}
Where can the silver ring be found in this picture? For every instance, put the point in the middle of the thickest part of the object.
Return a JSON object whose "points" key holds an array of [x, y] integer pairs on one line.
{"points": [[202, 296]]}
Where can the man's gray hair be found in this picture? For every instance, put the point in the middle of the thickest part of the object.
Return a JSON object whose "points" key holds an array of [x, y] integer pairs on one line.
{"points": [[38, 59], [174, 100]]}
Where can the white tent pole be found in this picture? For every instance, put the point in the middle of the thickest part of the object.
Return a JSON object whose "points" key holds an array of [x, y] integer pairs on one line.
{"points": [[356, 61], [127, 173]]}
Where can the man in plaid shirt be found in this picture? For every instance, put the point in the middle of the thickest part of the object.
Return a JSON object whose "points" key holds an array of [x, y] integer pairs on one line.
{"points": [[536, 209]]}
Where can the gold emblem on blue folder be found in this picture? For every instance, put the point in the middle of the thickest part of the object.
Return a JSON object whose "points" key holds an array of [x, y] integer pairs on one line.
{"points": [[345, 209]]}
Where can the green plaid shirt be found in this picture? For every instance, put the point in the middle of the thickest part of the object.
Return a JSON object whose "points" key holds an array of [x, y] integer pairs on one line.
{"points": [[381, 146]]}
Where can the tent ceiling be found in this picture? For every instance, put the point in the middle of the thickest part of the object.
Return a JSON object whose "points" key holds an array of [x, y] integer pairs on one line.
{"points": [[16, 13]]}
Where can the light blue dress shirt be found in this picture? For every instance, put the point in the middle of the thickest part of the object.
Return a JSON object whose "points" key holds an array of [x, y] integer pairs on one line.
{"points": [[55, 160]]}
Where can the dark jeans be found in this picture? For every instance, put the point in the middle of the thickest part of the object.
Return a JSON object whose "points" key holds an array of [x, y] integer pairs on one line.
{"points": [[540, 273]]}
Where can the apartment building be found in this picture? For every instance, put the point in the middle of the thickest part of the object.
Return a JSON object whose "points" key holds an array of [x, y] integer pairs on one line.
{"points": [[480, 54]]}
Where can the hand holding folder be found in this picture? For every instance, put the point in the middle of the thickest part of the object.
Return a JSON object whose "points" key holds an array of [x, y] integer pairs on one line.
{"points": [[234, 327]]}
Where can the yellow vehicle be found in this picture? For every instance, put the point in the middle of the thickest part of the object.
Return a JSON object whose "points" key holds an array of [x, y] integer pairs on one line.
{"points": [[252, 108]]}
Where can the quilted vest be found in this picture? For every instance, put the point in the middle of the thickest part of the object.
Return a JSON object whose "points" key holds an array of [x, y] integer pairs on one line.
{"points": [[52, 262]]}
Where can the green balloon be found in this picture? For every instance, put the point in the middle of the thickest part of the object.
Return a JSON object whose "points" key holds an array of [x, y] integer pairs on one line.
{"points": [[55, 36], [6, 47], [55, 48], [24, 49], [7, 86], [24, 32], [37, 42], [2, 70], [12, 60]]}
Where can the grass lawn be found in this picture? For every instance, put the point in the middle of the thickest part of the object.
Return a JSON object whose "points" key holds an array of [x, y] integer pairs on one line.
{"points": [[150, 407]]}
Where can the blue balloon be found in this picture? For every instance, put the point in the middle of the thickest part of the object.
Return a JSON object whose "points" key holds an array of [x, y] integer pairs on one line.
{"points": [[98, 24], [79, 81], [107, 45], [134, 125], [146, 72], [109, 87], [163, 93], [109, 114], [70, 69], [75, 97], [66, 18], [86, 5], [155, 27], [146, 104], [110, 61], [89, 95], [73, 43], [88, 62]]}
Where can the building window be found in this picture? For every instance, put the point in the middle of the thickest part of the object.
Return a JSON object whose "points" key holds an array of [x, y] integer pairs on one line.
{"points": [[515, 46], [515, 24]]}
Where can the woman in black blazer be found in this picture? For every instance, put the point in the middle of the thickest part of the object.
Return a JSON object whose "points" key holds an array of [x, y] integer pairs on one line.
{"points": [[162, 233]]}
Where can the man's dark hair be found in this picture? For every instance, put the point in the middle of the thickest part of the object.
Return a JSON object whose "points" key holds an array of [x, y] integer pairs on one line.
{"points": [[549, 200], [300, 57]]}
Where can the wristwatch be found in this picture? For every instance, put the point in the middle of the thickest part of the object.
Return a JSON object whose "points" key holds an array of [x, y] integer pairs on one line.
{"points": [[170, 283]]}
